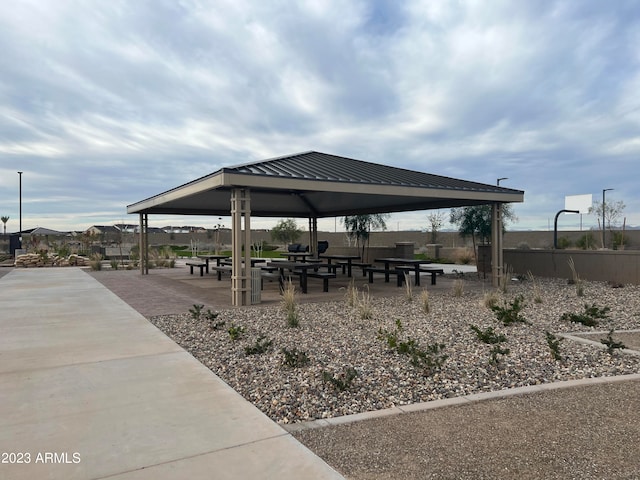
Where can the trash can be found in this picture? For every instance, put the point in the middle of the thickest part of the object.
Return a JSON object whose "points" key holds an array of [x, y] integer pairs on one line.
{"points": [[256, 286]]}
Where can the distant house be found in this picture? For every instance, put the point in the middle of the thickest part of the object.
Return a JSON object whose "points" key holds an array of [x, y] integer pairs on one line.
{"points": [[102, 230], [42, 231]]}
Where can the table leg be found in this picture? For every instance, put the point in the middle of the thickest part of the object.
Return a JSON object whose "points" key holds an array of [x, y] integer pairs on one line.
{"points": [[386, 273], [207, 263], [417, 270], [349, 267], [303, 280]]}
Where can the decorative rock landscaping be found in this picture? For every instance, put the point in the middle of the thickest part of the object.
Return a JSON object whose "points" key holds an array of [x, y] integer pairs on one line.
{"points": [[32, 260], [335, 340]]}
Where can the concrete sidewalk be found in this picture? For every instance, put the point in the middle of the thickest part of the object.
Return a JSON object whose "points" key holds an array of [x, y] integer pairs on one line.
{"points": [[90, 389]]}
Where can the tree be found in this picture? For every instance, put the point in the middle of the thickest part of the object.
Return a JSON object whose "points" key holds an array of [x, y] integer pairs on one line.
{"points": [[436, 220], [612, 213], [476, 221], [5, 219], [286, 231], [360, 226]]}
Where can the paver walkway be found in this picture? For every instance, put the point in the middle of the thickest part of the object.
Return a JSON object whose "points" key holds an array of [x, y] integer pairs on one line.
{"points": [[90, 389]]}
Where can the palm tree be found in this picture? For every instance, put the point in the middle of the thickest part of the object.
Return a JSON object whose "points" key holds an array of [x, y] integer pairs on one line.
{"points": [[5, 219]]}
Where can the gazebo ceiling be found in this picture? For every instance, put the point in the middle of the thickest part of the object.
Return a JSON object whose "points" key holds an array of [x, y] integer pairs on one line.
{"points": [[314, 184]]}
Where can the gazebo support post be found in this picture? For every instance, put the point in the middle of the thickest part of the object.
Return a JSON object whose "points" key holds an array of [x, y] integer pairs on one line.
{"points": [[313, 236], [143, 244], [241, 264], [497, 258]]}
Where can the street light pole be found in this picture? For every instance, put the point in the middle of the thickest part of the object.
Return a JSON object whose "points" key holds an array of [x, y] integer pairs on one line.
{"points": [[603, 218], [20, 234]]}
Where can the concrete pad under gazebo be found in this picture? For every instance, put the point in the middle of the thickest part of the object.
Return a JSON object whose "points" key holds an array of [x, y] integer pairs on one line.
{"points": [[315, 185]]}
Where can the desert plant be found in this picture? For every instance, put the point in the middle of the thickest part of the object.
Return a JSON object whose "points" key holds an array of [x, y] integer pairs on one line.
{"points": [[505, 278], [290, 306], [537, 295], [343, 380], [510, 313], [114, 264], [408, 287], [554, 345], [490, 299], [611, 344], [424, 301], [429, 358], [575, 278], [295, 358], [495, 351], [364, 305], [458, 287], [235, 331], [589, 317], [95, 262], [261, 345], [351, 295], [488, 335], [196, 311], [211, 317]]}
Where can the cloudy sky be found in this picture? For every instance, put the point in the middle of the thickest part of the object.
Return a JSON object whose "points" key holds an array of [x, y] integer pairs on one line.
{"points": [[105, 103]]}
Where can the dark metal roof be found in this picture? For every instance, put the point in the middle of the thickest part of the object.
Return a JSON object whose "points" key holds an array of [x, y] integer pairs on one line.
{"points": [[333, 168], [322, 185]]}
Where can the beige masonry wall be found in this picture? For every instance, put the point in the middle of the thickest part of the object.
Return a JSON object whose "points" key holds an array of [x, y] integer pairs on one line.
{"points": [[603, 265]]}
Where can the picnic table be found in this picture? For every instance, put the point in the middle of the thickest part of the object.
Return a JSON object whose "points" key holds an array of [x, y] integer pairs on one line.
{"points": [[294, 256], [217, 257], [302, 269], [348, 258], [388, 261]]}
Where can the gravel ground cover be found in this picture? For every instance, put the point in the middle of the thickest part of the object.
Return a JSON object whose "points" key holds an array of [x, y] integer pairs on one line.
{"points": [[336, 337]]}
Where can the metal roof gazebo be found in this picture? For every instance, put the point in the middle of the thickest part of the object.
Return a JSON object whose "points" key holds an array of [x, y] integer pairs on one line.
{"points": [[315, 185]]}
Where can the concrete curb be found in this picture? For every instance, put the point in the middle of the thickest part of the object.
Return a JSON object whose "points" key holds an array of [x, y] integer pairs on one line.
{"points": [[448, 402]]}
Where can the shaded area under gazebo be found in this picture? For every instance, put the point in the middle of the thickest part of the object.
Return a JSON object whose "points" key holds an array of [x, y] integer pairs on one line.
{"points": [[315, 185]]}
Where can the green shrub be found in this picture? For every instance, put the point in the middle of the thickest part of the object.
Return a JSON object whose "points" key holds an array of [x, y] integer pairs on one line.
{"points": [[589, 317], [611, 344], [554, 345], [510, 313], [488, 335], [295, 358], [343, 380], [235, 331], [196, 311], [262, 345]]}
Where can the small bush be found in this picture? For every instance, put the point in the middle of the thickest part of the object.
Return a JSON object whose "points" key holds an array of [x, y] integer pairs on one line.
{"points": [[424, 301], [589, 317], [262, 345], [235, 332], [196, 311], [488, 335], [458, 287], [430, 358], [343, 380], [510, 313], [289, 305], [575, 278], [364, 305], [495, 351], [490, 299], [554, 345], [95, 262], [611, 344], [114, 264], [295, 358]]}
